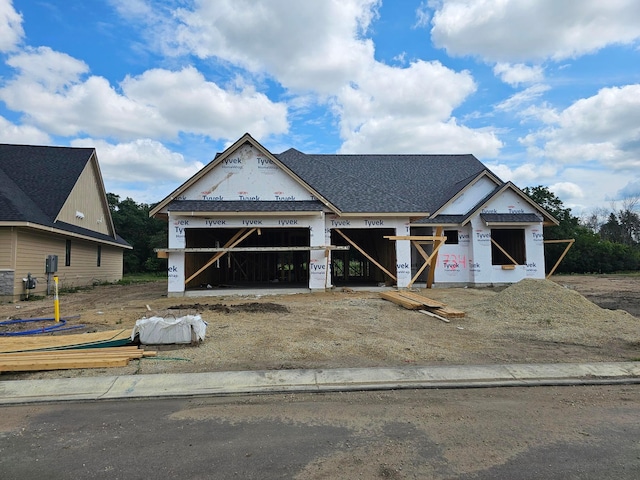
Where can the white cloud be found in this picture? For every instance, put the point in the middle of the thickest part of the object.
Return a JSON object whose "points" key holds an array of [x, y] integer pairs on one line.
{"points": [[311, 45], [525, 174], [604, 128], [11, 32], [56, 95], [423, 15], [148, 164], [185, 99], [409, 109], [402, 135], [53, 70], [516, 30], [516, 74], [517, 100], [22, 134], [567, 190], [320, 47]]}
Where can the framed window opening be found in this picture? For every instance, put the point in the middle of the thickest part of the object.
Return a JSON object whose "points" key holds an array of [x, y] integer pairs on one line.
{"points": [[512, 242], [99, 256], [452, 237]]}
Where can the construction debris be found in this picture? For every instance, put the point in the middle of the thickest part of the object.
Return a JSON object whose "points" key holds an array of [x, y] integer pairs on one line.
{"points": [[415, 301]]}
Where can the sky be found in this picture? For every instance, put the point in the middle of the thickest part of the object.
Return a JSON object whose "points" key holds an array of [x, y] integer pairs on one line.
{"points": [[543, 92]]}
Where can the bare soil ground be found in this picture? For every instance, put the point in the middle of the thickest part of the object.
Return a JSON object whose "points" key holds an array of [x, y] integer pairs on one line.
{"points": [[534, 321]]}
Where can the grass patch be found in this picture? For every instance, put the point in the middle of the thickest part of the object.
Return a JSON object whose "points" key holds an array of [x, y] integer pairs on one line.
{"points": [[131, 278]]}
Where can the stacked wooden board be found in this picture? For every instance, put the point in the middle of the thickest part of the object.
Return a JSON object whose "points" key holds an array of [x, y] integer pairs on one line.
{"points": [[88, 350], [415, 301]]}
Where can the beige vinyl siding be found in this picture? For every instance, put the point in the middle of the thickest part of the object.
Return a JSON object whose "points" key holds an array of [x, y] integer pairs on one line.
{"points": [[86, 199], [34, 247], [7, 248]]}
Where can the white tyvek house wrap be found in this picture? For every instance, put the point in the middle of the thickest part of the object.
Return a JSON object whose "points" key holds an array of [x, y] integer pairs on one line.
{"points": [[246, 175], [470, 260]]}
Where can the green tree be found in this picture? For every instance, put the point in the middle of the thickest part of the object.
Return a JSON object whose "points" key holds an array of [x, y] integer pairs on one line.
{"points": [[591, 253], [144, 234]]}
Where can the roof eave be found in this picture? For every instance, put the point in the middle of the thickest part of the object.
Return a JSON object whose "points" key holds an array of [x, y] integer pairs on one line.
{"points": [[67, 233]]}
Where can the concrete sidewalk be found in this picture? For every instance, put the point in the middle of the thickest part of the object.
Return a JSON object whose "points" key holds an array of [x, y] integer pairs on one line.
{"points": [[283, 381]]}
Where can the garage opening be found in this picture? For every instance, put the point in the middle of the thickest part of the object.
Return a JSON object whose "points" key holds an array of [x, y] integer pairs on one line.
{"points": [[237, 269], [351, 267]]}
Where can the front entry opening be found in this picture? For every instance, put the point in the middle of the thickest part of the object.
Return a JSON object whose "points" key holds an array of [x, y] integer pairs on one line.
{"points": [[352, 267], [260, 268]]}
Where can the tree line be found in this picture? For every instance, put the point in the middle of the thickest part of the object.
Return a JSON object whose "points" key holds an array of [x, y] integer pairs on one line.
{"points": [[606, 241]]}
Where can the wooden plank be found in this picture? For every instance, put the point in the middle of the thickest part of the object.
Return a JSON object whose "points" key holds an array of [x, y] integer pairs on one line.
{"points": [[504, 251], [437, 236], [449, 312], [570, 242], [66, 364], [252, 249], [435, 315], [416, 297], [403, 302], [80, 340], [431, 275], [62, 354]]}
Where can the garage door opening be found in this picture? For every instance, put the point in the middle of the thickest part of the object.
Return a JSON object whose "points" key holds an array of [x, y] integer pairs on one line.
{"points": [[251, 269], [351, 267]]}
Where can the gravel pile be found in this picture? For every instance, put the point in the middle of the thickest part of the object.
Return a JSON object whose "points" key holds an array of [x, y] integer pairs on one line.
{"points": [[548, 311]]}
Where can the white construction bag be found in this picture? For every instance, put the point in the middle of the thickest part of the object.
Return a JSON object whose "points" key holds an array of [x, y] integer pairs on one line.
{"points": [[159, 330]]}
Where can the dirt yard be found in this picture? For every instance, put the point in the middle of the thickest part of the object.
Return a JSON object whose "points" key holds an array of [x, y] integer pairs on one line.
{"points": [[534, 321]]}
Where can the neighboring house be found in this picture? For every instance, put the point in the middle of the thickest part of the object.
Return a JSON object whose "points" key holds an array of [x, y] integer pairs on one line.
{"points": [[53, 204], [253, 218]]}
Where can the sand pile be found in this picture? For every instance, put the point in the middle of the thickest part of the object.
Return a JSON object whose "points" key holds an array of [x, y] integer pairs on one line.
{"points": [[549, 311]]}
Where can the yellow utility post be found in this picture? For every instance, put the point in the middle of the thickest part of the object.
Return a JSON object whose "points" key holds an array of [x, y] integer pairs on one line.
{"points": [[56, 302]]}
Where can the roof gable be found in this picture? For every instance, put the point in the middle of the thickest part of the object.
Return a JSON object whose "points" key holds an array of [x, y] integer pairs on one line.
{"points": [[44, 174], [36, 183], [87, 205], [510, 200], [245, 171]]}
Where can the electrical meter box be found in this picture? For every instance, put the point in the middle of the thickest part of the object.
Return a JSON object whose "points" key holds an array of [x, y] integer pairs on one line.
{"points": [[51, 264]]}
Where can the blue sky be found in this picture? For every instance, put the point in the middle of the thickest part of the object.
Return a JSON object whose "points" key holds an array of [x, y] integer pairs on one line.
{"points": [[544, 93]]}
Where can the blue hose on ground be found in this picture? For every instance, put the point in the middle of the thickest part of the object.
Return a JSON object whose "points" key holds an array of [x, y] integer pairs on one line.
{"points": [[55, 326]]}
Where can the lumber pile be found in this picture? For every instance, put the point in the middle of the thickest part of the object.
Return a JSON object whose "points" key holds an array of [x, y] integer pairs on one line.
{"points": [[71, 358], [60, 352], [415, 301], [109, 338]]}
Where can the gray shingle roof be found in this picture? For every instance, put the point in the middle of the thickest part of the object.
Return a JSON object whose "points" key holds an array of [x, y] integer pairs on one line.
{"points": [[243, 206], [441, 220], [511, 217], [35, 182], [384, 183]]}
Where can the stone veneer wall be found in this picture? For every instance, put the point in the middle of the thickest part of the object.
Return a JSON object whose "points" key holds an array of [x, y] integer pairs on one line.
{"points": [[6, 282]]}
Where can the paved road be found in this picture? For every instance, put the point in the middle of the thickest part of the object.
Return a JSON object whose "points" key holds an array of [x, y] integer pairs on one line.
{"points": [[579, 432]]}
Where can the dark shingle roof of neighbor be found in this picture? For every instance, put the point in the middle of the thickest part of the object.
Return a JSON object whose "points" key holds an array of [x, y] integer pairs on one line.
{"points": [[244, 206], [35, 181], [384, 183]]}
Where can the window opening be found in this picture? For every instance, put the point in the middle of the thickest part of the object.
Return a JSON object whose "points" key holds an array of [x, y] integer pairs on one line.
{"points": [[67, 254], [512, 242], [452, 237]]}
